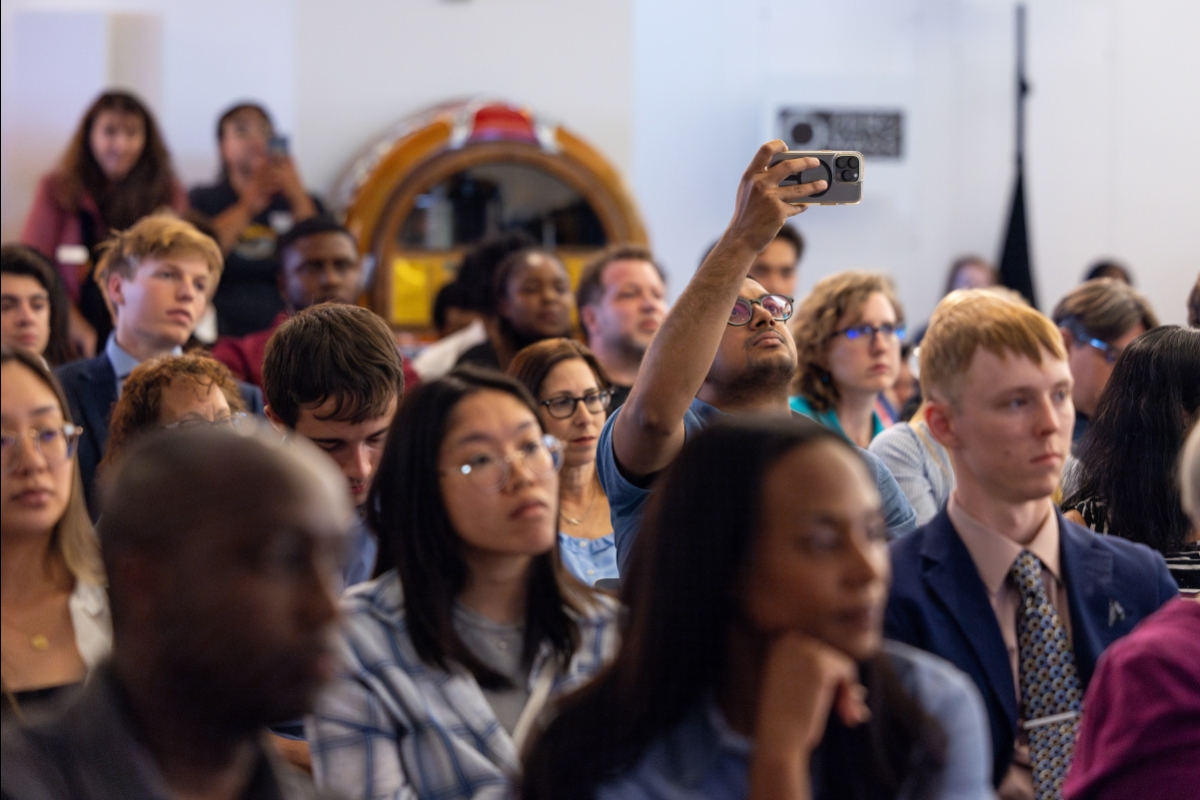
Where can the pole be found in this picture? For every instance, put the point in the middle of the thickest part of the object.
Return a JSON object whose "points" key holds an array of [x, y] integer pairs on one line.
{"points": [[1022, 84]]}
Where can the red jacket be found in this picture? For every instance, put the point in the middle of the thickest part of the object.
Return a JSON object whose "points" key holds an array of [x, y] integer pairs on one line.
{"points": [[49, 225]]}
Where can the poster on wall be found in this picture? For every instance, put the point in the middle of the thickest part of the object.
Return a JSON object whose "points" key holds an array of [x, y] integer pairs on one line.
{"points": [[876, 133]]}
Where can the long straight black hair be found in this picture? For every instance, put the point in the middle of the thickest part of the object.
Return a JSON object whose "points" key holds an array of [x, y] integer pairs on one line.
{"points": [[1130, 453], [417, 539], [680, 591]]}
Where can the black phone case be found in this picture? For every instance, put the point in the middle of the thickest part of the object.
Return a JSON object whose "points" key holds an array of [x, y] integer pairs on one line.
{"points": [[840, 192]]}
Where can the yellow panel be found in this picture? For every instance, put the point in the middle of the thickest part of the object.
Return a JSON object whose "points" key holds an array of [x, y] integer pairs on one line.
{"points": [[415, 282]]}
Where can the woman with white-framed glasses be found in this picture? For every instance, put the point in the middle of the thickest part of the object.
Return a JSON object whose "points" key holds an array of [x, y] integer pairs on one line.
{"points": [[573, 395], [473, 627], [53, 606], [848, 335]]}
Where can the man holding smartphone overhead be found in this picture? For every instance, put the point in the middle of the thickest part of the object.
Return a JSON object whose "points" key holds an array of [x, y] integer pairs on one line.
{"points": [[258, 197], [722, 349]]}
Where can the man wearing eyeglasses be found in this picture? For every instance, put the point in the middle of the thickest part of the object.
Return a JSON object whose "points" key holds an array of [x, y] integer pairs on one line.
{"points": [[1098, 319], [722, 349]]}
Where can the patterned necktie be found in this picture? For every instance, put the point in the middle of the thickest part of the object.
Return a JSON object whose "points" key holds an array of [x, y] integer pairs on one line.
{"points": [[1049, 681]]}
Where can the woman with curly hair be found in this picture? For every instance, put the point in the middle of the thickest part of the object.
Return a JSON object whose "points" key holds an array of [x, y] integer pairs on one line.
{"points": [[173, 392], [115, 171], [848, 333]]}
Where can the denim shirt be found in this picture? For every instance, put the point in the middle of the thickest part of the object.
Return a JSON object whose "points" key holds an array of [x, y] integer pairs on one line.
{"points": [[589, 560], [702, 758], [626, 499]]}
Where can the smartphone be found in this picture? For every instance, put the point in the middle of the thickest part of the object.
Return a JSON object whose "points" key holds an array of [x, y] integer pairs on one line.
{"points": [[841, 169], [278, 146]]}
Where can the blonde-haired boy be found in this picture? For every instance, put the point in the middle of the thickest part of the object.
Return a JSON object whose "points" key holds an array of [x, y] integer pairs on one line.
{"points": [[159, 276], [999, 583]]}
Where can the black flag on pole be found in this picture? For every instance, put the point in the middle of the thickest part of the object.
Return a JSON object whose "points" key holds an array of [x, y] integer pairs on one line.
{"points": [[1015, 270]]}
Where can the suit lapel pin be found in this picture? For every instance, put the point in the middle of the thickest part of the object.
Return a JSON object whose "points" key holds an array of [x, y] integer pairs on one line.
{"points": [[1115, 613]]}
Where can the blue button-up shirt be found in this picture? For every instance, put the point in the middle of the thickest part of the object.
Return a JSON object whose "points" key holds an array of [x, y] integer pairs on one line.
{"points": [[702, 758], [589, 560], [123, 362]]}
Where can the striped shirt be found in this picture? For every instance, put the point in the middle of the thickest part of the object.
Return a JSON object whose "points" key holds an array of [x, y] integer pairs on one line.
{"points": [[920, 465], [393, 726]]}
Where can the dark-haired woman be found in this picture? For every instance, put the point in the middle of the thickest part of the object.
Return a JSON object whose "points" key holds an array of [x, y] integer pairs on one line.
{"points": [[573, 394], [1125, 484], [755, 667], [33, 305], [532, 300], [115, 171], [441, 680]]}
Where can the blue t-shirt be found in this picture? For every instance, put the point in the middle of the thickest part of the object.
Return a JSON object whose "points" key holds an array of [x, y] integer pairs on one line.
{"points": [[589, 560], [625, 499], [702, 758]]}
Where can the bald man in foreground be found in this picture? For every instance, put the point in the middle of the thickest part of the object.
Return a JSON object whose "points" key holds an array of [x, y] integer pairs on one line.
{"points": [[222, 551]]}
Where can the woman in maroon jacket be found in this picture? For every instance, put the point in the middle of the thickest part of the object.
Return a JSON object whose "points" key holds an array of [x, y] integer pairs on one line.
{"points": [[115, 171]]}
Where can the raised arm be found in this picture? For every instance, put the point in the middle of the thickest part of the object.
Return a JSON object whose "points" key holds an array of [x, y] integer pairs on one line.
{"points": [[648, 433]]}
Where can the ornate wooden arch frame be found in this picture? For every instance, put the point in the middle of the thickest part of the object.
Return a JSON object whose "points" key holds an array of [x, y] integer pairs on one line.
{"points": [[400, 168]]}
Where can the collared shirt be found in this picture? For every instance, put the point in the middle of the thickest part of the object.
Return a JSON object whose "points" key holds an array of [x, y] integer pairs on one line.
{"points": [[919, 463], [829, 418], [92, 622], [392, 725], [94, 750], [123, 362], [626, 498], [702, 758], [364, 549], [994, 554], [589, 560]]}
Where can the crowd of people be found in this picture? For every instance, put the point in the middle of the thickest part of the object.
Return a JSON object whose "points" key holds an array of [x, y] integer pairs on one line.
{"points": [[747, 545]]}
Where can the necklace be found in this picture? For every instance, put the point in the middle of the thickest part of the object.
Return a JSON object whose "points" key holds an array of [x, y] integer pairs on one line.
{"points": [[38, 641], [577, 522]]}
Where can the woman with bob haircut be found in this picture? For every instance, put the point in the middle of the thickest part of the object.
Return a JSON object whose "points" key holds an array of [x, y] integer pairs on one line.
{"points": [[56, 623], [115, 171], [573, 394], [1127, 483], [848, 333], [756, 668], [173, 392], [35, 305], [449, 656]]}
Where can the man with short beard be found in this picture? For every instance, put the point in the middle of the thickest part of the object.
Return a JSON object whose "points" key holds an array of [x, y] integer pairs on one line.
{"points": [[221, 551], [723, 349], [622, 301]]}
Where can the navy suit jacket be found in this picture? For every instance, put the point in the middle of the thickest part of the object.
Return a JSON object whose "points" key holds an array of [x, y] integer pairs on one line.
{"points": [[91, 389], [938, 603]]}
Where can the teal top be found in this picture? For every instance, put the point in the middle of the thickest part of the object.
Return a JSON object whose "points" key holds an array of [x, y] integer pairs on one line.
{"points": [[829, 418]]}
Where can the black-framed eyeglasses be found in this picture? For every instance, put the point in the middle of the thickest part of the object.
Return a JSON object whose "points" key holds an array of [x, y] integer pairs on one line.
{"points": [[779, 306], [542, 456], [867, 332], [236, 420], [55, 445], [1111, 353], [563, 406]]}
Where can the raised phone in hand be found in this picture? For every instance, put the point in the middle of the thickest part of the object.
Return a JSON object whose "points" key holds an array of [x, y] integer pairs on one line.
{"points": [[841, 169]]}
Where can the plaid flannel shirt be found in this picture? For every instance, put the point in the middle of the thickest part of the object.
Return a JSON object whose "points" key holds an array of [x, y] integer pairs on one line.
{"points": [[392, 726]]}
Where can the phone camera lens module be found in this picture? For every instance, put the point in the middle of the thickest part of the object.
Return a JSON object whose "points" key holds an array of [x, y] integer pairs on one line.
{"points": [[840, 163], [849, 175], [851, 162]]}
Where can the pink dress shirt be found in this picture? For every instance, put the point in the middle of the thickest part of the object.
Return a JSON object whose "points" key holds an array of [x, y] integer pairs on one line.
{"points": [[994, 554]]}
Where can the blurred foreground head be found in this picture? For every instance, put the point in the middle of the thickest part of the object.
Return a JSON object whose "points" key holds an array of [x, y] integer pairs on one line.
{"points": [[222, 549]]}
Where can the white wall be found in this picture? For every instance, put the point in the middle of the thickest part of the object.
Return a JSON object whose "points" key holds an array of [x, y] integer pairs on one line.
{"points": [[678, 94], [1113, 81]]}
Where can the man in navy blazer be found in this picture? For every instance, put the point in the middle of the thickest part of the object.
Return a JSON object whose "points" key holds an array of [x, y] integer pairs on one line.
{"points": [[998, 397], [159, 276]]}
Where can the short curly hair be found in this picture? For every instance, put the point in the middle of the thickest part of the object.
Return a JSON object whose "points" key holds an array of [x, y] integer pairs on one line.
{"points": [[815, 323], [140, 407]]}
